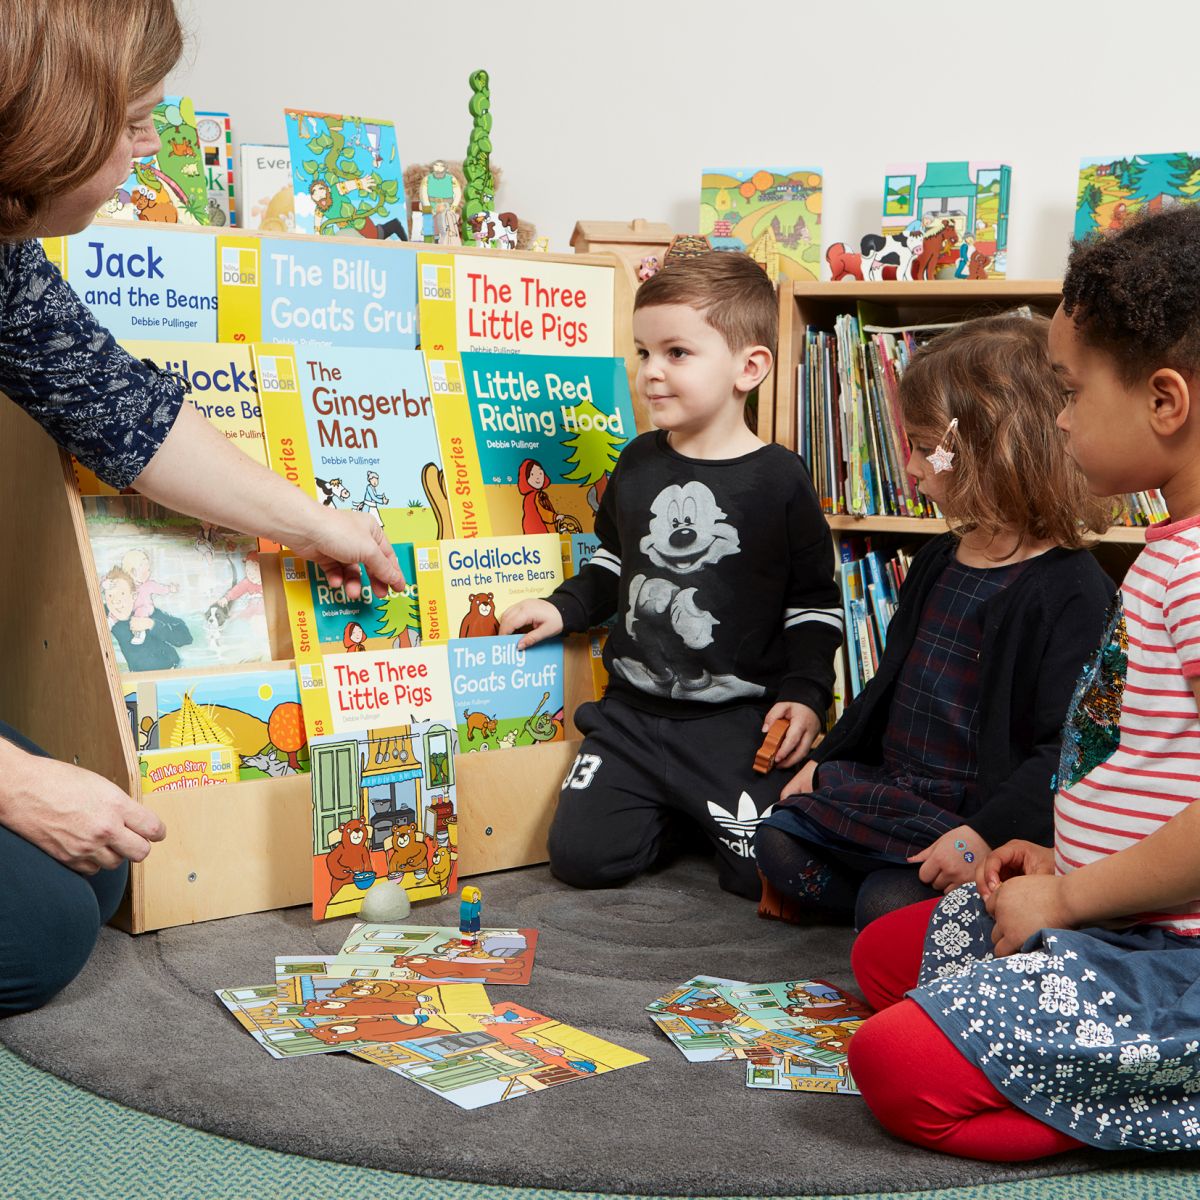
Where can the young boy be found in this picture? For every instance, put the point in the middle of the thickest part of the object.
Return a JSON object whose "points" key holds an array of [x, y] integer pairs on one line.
{"points": [[717, 560]]}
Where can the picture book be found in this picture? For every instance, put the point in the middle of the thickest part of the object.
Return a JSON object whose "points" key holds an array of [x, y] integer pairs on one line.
{"points": [[597, 639], [516, 1052], [264, 186], [168, 187], [794, 1004], [956, 211], [464, 586], [283, 1033], [347, 180], [313, 292], [495, 304], [186, 767], [1112, 190], [578, 551], [144, 280], [325, 620], [314, 988], [223, 388], [704, 1027], [773, 214], [176, 592], [501, 956], [254, 714], [214, 131], [546, 431], [505, 697], [382, 745], [817, 1064], [354, 428]]}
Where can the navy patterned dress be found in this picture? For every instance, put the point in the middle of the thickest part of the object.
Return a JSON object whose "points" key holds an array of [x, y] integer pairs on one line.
{"points": [[871, 815], [96, 400]]}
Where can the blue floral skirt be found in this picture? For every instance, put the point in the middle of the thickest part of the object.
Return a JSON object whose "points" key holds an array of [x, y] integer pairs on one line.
{"points": [[1095, 1032]]}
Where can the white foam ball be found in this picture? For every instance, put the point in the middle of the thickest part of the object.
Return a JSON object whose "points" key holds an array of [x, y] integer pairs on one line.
{"points": [[385, 903]]}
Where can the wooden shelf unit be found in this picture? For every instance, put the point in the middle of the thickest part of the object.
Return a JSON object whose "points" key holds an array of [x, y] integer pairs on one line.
{"points": [[248, 846], [903, 304]]}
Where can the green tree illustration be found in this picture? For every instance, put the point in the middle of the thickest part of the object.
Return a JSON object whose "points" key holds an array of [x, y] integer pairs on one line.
{"points": [[594, 452], [480, 191], [334, 161], [1090, 198], [397, 615], [1186, 173]]}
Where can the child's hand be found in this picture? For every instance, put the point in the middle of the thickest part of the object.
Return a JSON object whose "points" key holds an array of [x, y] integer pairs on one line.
{"points": [[801, 783], [1022, 905], [1013, 858], [803, 726], [944, 864], [539, 618]]}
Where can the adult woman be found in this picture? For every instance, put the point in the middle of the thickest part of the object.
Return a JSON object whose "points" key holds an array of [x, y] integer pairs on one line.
{"points": [[78, 82]]}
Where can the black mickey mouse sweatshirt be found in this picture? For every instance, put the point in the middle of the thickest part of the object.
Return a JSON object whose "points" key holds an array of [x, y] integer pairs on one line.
{"points": [[721, 574]]}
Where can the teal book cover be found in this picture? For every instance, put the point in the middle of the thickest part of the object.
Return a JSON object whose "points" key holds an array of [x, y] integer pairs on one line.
{"points": [[346, 175], [505, 697], [548, 430]]}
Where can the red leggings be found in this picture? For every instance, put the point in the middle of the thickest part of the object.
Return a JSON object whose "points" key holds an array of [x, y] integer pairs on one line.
{"points": [[912, 1076]]}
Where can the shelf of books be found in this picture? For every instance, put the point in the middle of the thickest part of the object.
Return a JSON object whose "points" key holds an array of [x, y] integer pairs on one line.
{"points": [[842, 349], [299, 744]]}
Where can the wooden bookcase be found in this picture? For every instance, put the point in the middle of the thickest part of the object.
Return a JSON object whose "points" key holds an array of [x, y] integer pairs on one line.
{"points": [[903, 303], [245, 847]]}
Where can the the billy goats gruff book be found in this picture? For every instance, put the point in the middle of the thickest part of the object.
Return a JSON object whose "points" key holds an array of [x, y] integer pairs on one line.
{"points": [[255, 714], [312, 291], [503, 696], [354, 428], [382, 743], [546, 431], [143, 279], [464, 585], [176, 592], [347, 180], [220, 376], [773, 214]]}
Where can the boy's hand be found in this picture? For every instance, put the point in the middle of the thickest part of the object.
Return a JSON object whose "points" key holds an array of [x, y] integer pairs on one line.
{"points": [[801, 783], [944, 864], [1011, 859], [803, 726], [539, 618], [1024, 904]]}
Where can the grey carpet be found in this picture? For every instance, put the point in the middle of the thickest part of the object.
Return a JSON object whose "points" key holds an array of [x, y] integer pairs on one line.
{"points": [[142, 1026]]}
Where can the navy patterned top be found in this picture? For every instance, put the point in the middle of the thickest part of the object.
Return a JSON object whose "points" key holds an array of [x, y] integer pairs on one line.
{"points": [[96, 400]]}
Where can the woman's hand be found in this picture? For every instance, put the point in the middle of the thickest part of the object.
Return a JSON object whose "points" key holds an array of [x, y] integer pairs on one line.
{"points": [[537, 619], [75, 816], [1011, 859], [340, 540], [803, 727], [944, 864], [1023, 904]]}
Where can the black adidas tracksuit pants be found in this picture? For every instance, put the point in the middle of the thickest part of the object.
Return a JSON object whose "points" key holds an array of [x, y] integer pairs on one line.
{"points": [[637, 774]]}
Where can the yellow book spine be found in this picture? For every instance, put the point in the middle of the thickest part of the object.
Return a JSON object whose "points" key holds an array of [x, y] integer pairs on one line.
{"points": [[279, 390], [431, 593], [314, 697], [56, 252], [239, 289], [435, 304], [469, 516]]}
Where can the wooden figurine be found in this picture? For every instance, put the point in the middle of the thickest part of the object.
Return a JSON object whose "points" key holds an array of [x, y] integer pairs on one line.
{"points": [[764, 759], [470, 904]]}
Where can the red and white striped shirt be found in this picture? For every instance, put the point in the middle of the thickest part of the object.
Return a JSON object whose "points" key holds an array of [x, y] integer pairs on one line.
{"points": [[1154, 773]]}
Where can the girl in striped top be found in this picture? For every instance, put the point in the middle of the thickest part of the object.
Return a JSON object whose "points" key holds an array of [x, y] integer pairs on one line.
{"points": [[1055, 1002]]}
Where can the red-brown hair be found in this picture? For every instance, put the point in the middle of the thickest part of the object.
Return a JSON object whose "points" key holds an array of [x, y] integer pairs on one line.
{"points": [[1011, 470], [68, 72]]}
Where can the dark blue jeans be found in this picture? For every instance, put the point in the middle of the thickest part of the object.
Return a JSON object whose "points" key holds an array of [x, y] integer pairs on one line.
{"points": [[50, 916]]}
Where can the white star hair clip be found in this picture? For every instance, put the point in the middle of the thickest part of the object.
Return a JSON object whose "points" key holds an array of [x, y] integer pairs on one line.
{"points": [[942, 459]]}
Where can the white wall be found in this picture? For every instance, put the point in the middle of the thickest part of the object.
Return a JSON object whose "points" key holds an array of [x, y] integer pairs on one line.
{"points": [[610, 111]]}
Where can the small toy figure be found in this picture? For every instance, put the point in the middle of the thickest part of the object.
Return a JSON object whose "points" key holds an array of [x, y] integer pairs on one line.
{"points": [[442, 194], [648, 267], [764, 759], [471, 901]]}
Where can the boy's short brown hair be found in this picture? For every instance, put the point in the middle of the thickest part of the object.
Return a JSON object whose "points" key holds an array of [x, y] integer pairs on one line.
{"points": [[730, 290], [1011, 468]]}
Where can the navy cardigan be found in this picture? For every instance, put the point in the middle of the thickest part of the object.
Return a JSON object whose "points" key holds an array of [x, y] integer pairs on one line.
{"points": [[1037, 635]]}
